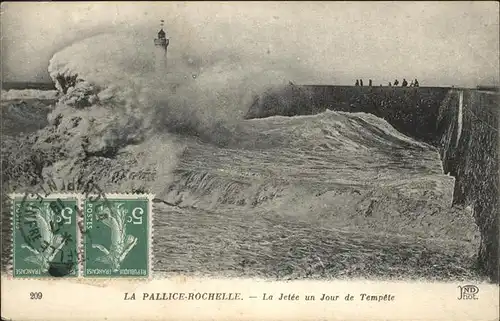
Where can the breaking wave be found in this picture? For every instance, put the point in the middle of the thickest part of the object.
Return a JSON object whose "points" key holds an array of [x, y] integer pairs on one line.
{"points": [[181, 135], [112, 79], [114, 100]]}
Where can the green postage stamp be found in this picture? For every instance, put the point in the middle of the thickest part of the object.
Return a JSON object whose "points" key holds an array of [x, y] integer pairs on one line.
{"points": [[72, 235], [45, 236], [117, 238]]}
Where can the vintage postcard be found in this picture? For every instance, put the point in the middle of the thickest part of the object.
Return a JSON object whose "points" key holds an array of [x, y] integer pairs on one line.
{"points": [[250, 160]]}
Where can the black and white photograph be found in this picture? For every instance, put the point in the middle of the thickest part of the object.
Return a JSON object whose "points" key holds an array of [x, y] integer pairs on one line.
{"points": [[282, 141]]}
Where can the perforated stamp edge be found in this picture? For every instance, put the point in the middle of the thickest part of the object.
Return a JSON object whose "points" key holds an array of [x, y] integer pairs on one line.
{"points": [[11, 197], [125, 196]]}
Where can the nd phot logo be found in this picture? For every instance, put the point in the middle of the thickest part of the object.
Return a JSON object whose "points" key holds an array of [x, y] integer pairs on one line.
{"points": [[468, 292]]}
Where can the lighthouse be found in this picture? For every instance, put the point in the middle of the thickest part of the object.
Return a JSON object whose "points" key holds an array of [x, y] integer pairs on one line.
{"points": [[161, 45]]}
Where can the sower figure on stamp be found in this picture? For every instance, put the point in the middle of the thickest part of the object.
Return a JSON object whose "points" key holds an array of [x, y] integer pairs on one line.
{"points": [[117, 242], [121, 242], [45, 237], [51, 243]]}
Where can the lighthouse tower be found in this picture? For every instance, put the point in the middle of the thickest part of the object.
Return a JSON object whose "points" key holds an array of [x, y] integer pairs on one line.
{"points": [[161, 45]]}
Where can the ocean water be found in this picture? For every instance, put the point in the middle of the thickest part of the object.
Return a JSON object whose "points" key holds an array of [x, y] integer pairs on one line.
{"points": [[329, 195]]}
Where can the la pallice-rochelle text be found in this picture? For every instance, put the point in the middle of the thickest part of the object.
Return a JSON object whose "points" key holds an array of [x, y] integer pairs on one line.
{"points": [[180, 296]]}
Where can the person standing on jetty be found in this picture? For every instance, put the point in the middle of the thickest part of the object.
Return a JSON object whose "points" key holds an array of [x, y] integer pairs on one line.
{"points": [[396, 82], [405, 83], [361, 82], [357, 82], [415, 83], [370, 82]]}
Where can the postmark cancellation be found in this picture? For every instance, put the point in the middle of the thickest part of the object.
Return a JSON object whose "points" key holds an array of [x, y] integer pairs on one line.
{"points": [[45, 235]]}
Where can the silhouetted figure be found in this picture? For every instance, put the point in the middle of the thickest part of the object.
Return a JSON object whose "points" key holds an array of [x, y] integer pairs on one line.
{"points": [[390, 85], [405, 83], [415, 83], [357, 83], [411, 84], [396, 82], [369, 82], [361, 82]]}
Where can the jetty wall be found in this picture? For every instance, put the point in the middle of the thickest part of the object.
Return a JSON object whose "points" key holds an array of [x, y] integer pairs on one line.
{"points": [[468, 123]]}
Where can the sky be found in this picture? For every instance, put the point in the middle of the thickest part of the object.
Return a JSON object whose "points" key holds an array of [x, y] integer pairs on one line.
{"points": [[440, 43]]}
